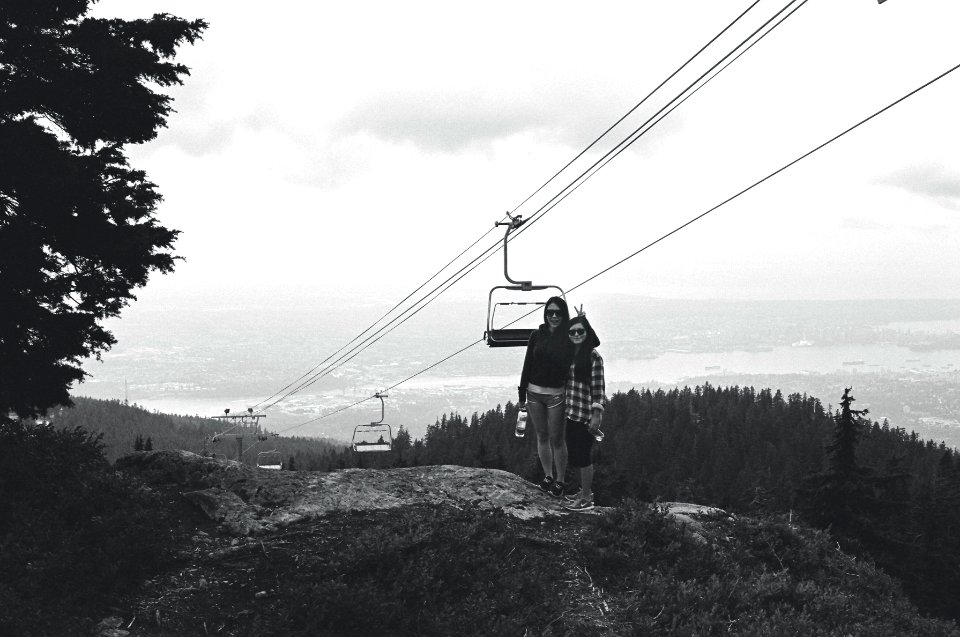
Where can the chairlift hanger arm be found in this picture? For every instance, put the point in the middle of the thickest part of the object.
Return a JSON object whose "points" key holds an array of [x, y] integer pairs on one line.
{"points": [[382, 413], [513, 224]]}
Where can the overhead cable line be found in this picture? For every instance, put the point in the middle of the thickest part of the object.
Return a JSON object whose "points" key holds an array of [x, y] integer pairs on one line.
{"points": [[665, 110], [491, 250], [672, 105], [494, 248], [412, 376], [638, 104], [683, 225], [355, 338], [769, 176]]}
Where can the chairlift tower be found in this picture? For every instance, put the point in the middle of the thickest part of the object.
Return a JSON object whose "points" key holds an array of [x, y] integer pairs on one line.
{"points": [[240, 426]]}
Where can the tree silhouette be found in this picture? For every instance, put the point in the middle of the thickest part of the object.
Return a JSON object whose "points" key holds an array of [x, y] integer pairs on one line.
{"points": [[846, 433], [77, 228], [402, 444]]}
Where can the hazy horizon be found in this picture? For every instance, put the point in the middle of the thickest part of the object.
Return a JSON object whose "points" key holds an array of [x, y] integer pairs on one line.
{"points": [[200, 360]]}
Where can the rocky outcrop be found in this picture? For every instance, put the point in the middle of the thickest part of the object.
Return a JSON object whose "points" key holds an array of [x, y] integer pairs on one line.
{"points": [[248, 501], [693, 517], [188, 469]]}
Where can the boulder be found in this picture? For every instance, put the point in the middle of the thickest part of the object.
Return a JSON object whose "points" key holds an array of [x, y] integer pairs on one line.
{"points": [[227, 508], [248, 501], [693, 517]]}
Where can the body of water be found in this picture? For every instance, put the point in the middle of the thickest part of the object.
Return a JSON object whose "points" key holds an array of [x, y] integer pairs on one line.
{"points": [[470, 391], [199, 361], [930, 327], [673, 367]]}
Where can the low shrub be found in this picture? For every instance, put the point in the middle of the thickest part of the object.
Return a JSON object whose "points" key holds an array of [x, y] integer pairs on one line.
{"points": [[431, 571], [72, 532]]}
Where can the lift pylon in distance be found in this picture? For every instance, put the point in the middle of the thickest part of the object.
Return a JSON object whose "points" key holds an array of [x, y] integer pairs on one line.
{"points": [[376, 436], [240, 426], [507, 336]]}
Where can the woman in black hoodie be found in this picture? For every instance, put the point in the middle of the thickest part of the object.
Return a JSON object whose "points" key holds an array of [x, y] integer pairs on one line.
{"points": [[541, 392]]}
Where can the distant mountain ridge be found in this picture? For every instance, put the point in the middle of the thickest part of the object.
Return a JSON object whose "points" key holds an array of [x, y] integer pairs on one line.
{"points": [[120, 425]]}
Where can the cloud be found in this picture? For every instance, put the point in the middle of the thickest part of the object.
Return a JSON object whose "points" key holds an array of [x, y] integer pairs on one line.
{"points": [[931, 181], [440, 122], [450, 121]]}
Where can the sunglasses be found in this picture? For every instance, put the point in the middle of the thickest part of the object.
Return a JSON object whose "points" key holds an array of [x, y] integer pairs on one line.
{"points": [[554, 313], [577, 331]]}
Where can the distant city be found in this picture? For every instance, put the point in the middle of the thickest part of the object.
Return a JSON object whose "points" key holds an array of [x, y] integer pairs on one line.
{"points": [[901, 357]]}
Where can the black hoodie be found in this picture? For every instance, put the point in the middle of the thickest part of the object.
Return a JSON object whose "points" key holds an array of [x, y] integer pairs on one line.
{"points": [[547, 358]]}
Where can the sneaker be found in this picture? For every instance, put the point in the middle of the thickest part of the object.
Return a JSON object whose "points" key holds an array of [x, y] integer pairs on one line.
{"points": [[580, 505], [573, 497], [546, 484], [558, 489]]}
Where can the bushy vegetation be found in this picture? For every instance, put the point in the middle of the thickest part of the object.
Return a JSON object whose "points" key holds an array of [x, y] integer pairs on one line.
{"points": [[445, 571], [758, 452], [753, 577], [428, 571], [72, 532], [747, 451]]}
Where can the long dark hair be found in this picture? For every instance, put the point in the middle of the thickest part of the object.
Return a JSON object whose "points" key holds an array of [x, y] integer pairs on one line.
{"points": [[554, 344], [583, 358]]}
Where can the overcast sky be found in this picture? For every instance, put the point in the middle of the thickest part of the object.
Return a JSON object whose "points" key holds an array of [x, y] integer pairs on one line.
{"points": [[361, 145]]}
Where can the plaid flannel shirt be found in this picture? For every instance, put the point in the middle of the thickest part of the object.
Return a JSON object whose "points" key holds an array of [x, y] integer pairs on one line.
{"points": [[581, 398]]}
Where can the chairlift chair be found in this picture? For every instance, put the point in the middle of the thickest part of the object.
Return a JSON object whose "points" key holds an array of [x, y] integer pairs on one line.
{"points": [[270, 460], [507, 336], [376, 436]]}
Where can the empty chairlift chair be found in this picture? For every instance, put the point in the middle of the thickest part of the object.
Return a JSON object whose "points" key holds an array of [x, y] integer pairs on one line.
{"points": [[376, 436], [507, 336], [270, 460]]}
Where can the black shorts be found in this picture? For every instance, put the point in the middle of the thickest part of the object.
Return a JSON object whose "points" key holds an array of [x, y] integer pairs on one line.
{"points": [[579, 444]]}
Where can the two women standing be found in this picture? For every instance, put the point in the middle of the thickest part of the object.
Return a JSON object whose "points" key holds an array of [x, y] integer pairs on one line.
{"points": [[562, 384]]}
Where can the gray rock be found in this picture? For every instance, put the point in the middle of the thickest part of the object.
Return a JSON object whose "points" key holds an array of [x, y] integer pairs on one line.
{"points": [[693, 517], [245, 501], [227, 508], [110, 627]]}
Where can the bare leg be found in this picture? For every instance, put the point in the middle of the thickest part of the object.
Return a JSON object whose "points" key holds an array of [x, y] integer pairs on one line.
{"points": [[586, 482], [538, 416], [557, 430]]}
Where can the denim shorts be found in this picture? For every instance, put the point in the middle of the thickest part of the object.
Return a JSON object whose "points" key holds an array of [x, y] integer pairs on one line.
{"points": [[549, 401]]}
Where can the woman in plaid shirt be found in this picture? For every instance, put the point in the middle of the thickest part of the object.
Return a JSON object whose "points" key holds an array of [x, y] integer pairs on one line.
{"points": [[585, 400]]}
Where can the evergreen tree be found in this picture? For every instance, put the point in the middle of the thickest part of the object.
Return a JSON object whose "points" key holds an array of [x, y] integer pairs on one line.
{"points": [[138, 443], [847, 433], [402, 445], [944, 514], [148, 445], [77, 228], [841, 495]]}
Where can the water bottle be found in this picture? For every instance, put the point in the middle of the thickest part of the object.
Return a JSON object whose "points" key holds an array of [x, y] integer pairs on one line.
{"points": [[598, 436], [521, 422]]}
